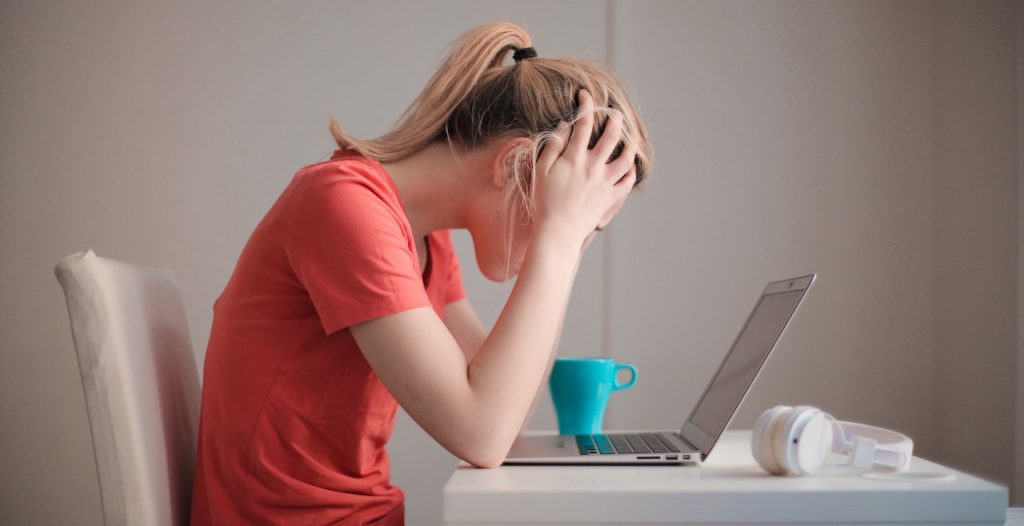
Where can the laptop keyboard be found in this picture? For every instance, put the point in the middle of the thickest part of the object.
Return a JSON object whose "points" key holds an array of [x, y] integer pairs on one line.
{"points": [[624, 443]]}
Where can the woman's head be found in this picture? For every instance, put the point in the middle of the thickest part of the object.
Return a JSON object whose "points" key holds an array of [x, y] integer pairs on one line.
{"points": [[479, 95]]}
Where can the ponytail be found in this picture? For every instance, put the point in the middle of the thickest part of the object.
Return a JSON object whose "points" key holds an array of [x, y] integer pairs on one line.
{"points": [[474, 98], [478, 51]]}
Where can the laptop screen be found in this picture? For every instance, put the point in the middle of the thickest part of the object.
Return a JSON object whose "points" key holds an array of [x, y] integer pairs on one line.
{"points": [[741, 365]]}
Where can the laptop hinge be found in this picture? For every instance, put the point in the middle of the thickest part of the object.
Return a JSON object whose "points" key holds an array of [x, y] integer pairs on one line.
{"points": [[685, 441]]}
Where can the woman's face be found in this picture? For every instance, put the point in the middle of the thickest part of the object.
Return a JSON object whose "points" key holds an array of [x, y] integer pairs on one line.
{"points": [[501, 229], [501, 233]]}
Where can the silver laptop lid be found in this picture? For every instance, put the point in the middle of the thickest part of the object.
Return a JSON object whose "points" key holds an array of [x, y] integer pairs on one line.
{"points": [[748, 354]]}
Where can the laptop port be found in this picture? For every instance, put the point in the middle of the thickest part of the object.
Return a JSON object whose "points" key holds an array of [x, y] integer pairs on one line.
{"points": [[671, 457], [686, 457], [642, 457]]}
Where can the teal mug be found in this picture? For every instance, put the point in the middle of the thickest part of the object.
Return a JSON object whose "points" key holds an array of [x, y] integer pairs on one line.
{"points": [[580, 388]]}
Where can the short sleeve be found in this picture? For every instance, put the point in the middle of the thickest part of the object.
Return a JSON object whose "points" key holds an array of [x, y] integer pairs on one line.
{"points": [[352, 252]]}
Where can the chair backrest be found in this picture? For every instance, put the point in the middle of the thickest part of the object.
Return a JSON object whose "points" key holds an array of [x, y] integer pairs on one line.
{"points": [[141, 385]]}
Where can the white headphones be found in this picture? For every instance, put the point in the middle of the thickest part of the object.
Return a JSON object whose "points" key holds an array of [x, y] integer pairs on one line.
{"points": [[798, 440]]}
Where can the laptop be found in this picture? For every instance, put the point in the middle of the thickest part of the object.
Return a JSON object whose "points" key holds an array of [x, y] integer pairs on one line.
{"points": [[693, 442]]}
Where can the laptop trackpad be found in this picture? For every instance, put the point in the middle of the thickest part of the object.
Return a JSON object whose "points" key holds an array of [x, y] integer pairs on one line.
{"points": [[544, 446]]}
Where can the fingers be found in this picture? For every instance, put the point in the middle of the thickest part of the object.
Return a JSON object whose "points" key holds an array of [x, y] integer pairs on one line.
{"points": [[625, 185], [620, 192], [584, 127], [553, 147], [624, 163], [610, 137]]}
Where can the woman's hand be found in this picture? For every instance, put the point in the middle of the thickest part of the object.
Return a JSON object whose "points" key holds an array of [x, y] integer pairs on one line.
{"points": [[577, 190], [476, 410]]}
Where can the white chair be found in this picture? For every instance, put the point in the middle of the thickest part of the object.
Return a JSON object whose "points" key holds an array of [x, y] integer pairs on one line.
{"points": [[141, 385]]}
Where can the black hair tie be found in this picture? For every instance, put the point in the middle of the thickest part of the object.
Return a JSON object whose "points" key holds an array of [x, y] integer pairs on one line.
{"points": [[524, 53]]}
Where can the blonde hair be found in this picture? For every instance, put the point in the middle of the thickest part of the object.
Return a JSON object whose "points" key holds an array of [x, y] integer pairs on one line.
{"points": [[474, 98]]}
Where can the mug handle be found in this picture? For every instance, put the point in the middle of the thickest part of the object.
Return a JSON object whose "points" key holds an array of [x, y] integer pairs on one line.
{"points": [[615, 378]]}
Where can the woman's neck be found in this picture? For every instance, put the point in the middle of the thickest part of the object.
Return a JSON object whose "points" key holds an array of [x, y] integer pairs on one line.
{"points": [[437, 185]]}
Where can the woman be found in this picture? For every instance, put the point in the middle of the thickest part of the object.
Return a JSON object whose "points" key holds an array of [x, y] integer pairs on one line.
{"points": [[347, 299]]}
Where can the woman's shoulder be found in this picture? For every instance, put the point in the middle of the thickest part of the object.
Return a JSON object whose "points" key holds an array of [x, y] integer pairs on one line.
{"points": [[346, 175], [345, 164], [349, 199]]}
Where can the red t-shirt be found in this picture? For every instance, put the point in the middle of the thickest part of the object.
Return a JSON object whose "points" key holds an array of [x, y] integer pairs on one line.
{"points": [[294, 421]]}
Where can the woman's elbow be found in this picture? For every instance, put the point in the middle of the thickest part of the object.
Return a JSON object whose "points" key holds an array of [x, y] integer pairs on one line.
{"points": [[485, 453], [486, 461], [483, 439]]}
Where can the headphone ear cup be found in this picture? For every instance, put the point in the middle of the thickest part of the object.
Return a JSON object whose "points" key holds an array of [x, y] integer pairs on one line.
{"points": [[773, 418], [813, 443], [782, 438], [758, 436]]}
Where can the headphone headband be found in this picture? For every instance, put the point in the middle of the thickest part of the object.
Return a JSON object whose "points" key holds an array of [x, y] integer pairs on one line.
{"points": [[799, 440], [876, 445]]}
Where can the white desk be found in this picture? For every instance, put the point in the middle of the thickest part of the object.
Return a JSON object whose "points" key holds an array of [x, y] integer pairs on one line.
{"points": [[728, 489]]}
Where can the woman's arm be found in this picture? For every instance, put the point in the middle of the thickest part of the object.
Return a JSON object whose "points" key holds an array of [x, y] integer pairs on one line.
{"points": [[476, 410], [465, 326]]}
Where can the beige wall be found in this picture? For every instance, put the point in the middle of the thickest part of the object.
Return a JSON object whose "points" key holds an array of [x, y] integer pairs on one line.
{"points": [[791, 138], [1018, 488], [870, 142], [975, 161]]}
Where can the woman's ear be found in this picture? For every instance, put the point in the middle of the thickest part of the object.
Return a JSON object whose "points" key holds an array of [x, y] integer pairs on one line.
{"points": [[512, 152]]}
